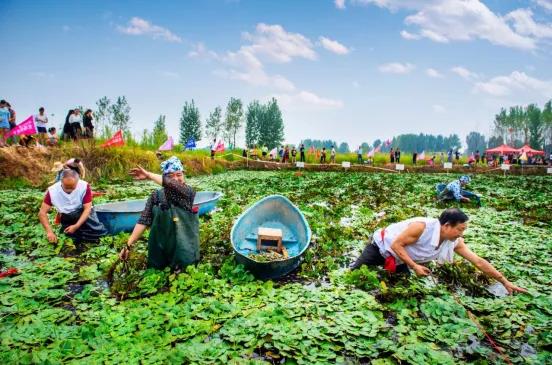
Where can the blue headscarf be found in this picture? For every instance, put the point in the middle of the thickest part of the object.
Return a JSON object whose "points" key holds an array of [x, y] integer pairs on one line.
{"points": [[171, 165], [465, 179]]}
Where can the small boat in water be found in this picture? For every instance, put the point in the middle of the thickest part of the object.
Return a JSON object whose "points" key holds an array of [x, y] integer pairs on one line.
{"points": [[122, 216], [272, 212]]}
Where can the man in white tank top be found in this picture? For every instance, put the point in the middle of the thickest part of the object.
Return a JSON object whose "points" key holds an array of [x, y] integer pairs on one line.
{"points": [[408, 244], [72, 198]]}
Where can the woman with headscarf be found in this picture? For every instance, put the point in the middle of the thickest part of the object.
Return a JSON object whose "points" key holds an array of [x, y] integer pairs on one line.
{"points": [[455, 191], [172, 218]]}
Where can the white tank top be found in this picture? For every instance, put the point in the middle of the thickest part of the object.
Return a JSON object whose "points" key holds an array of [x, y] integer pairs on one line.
{"points": [[427, 247], [67, 203]]}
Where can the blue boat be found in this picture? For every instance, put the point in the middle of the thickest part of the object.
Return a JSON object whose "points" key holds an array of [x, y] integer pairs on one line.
{"points": [[122, 216], [274, 211]]}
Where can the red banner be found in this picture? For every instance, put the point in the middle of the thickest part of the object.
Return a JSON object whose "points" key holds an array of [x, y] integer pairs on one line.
{"points": [[116, 140], [26, 127]]}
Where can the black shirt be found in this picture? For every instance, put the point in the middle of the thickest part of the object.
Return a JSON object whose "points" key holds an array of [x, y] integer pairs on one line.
{"points": [[177, 194]]}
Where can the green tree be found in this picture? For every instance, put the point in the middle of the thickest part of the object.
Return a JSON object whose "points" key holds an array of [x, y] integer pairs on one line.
{"points": [[253, 120], [120, 112], [233, 120], [495, 141], [190, 123], [546, 116], [103, 116], [535, 126], [213, 124], [476, 142], [343, 148], [159, 134], [271, 125]]}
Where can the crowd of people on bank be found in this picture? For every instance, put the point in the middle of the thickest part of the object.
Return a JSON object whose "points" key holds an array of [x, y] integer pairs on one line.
{"points": [[77, 125]]}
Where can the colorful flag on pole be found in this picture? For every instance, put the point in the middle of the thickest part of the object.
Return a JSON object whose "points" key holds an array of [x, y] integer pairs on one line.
{"points": [[220, 146], [168, 145], [388, 143], [371, 153], [26, 127], [191, 143], [311, 149], [377, 149], [116, 140], [273, 152], [421, 156]]}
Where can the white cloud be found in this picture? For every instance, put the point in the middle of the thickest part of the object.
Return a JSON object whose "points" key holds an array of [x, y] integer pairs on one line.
{"points": [[515, 82], [396, 68], [409, 36], [523, 23], [200, 51], [307, 98], [545, 4], [66, 28], [464, 73], [431, 72], [454, 20], [139, 26], [245, 66], [276, 44], [42, 75], [340, 4], [269, 43], [170, 75], [333, 46], [438, 108]]}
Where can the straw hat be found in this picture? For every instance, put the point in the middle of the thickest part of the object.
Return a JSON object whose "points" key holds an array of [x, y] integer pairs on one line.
{"points": [[58, 166]]}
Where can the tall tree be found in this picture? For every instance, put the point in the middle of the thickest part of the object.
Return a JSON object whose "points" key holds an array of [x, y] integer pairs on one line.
{"points": [[213, 124], [377, 143], [190, 123], [253, 119], [159, 134], [103, 116], [271, 126], [495, 141], [476, 142], [233, 120], [120, 112], [546, 116], [343, 148], [535, 126]]}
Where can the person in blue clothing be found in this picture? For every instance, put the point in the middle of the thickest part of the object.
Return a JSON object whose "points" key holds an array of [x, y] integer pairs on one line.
{"points": [[455, 191], [4, 121]]}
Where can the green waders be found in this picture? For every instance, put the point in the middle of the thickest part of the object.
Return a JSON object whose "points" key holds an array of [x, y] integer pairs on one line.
{"points": [[174, 236]]}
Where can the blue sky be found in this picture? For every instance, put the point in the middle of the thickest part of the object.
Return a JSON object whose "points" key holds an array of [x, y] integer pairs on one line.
{"points": [[352, 70]]}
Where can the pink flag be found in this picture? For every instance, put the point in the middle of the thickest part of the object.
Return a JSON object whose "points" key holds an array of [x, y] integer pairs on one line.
{"points": [[388, 142], [421, 156], [377, 149], [168, 145], [116, 140], [26, 127], [371, 153], [220, 146]]}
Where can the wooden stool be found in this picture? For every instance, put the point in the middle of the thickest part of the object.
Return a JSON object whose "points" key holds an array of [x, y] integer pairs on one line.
{"points": [[270, 234]]}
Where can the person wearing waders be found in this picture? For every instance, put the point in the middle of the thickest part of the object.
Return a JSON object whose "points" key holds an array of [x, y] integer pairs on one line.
{"points": [[172, 218], [406, 245]]}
